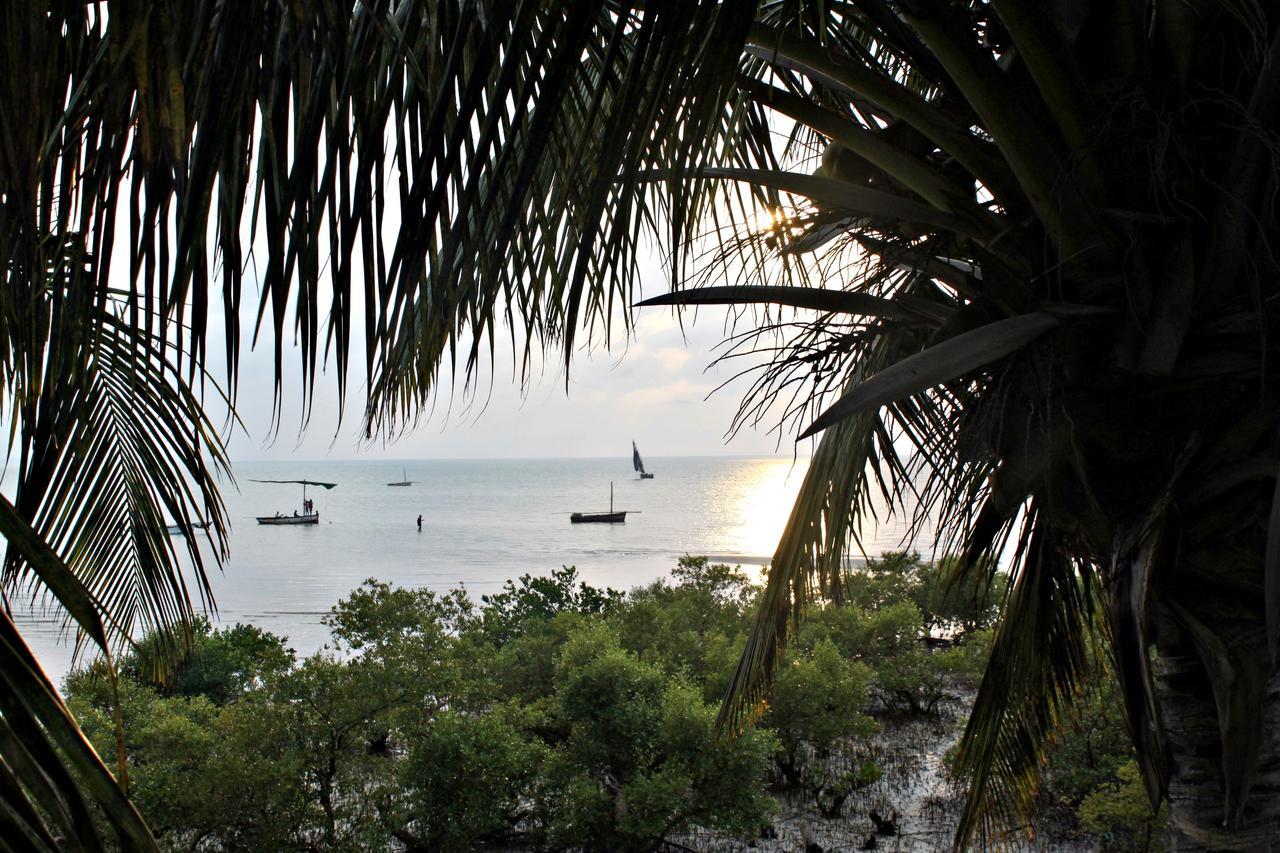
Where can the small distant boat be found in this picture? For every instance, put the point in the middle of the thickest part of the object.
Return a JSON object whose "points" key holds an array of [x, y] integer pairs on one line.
{"points": [[308, 514], [177, 530], [609, 517], [305, 518], [405, 482], [638, 462]]}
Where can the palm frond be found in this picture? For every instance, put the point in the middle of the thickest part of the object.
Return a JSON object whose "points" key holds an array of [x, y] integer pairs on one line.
{"points": [[940, 363], [1039, 658], [834, 499], [49, 774], [115, 444], [903, 309], [557, 241], [41, 736], [891, 98]]}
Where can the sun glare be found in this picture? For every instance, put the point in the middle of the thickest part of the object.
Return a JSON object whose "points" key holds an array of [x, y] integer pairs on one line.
{"points": [[764, 495], [771, 219]]}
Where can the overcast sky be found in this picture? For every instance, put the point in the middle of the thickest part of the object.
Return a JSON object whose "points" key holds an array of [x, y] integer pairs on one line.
{"points": [[652, 389]]}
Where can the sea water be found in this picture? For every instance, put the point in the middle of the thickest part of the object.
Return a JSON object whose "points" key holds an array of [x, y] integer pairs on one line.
{"points": [[484, 522]]}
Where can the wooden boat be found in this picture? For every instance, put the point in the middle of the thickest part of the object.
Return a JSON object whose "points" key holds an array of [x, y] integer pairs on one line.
{"points": [[405, 482], [304, 517], [638, 462], [610, 517], [177, 530], [599, 517]]}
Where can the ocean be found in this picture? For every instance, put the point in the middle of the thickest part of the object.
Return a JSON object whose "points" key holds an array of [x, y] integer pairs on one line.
{"points": [[484, 521]]}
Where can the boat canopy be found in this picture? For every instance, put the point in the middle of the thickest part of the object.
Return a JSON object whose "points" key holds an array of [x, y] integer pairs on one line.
{"points": [[303, 482]]}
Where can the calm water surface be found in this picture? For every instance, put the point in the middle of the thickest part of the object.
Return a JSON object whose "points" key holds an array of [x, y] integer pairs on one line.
{"points": [[484, 521]]}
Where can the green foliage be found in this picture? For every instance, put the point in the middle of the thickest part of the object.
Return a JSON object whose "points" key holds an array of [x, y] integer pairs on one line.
{"points": [[378, 617], [224, 775], [890, 578], [468, 778], [1091, 772], [876, 636], [439, 724], [966, 661], [220, 665], [525, 666], [958, 606], [695, 625], [832, 783], [508, 614], [550, 714], [888, 637], [949, 606], [405, 645], [1119, 814], [610, 699], [817, 712], [341, 725], [726, 585], [642, 759], [817, 703], [1092, 747]]}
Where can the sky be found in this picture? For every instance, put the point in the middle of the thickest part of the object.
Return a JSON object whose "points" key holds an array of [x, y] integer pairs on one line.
{"points": [[655, 388]]}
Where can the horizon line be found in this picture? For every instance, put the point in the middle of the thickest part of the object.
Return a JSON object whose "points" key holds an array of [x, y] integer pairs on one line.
{"points": [[525, 458]]}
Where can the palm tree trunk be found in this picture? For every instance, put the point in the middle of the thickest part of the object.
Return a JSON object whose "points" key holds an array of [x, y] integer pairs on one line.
{"points": [[1196, 795]]}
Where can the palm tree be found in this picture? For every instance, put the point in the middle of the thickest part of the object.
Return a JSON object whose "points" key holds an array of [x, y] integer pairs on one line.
{"points": [[1075, 355], [1032, 283], [160, 159]]}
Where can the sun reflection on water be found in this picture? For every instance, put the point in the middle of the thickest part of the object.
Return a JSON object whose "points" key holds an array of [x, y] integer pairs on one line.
{"points": [[760, 498], [764, 493]]}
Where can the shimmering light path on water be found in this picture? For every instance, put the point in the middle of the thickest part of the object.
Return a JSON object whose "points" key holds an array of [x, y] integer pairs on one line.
{"points": [[484, 521]]}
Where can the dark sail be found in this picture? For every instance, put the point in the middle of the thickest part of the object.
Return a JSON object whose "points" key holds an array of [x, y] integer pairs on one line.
{"points": [[635, 458], [303, 482]]}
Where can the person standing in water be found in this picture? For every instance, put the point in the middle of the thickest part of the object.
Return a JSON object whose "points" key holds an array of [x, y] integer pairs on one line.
{"points": [[419, 522]]}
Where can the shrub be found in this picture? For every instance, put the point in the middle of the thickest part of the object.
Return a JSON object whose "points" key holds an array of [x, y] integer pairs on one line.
{"points": [[1119, 813]]}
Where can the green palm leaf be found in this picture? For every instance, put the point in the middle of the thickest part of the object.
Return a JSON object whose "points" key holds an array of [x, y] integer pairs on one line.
{"points": [[940, 363], [903, 308], [1039, 659], [106, 456]]}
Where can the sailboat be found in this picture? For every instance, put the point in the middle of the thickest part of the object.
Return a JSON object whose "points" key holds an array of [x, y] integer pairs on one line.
{"points": [[609, 517], [638, 462], [308, 515], [404, 482], [179, 530]]}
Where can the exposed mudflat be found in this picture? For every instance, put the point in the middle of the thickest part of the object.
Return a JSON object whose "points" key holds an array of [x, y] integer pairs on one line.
{"points": [[911, 752]]}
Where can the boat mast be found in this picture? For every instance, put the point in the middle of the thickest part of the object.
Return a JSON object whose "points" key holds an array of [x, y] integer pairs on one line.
{"points": [[611, 497]]}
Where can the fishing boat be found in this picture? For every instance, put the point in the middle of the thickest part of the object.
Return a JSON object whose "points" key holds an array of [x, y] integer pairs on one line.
{"points": [[609, 517], [638, 462], [178, 530], [405, 482], [309, 515]]}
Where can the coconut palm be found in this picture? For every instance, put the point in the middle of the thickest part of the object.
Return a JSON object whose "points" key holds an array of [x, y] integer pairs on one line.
{"points": [[406, 172], [1026, 288], [1075, 356], [1066, 215]]}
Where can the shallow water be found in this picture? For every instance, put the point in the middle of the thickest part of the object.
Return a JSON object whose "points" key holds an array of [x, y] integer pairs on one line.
{"points": [[485, 521]]}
